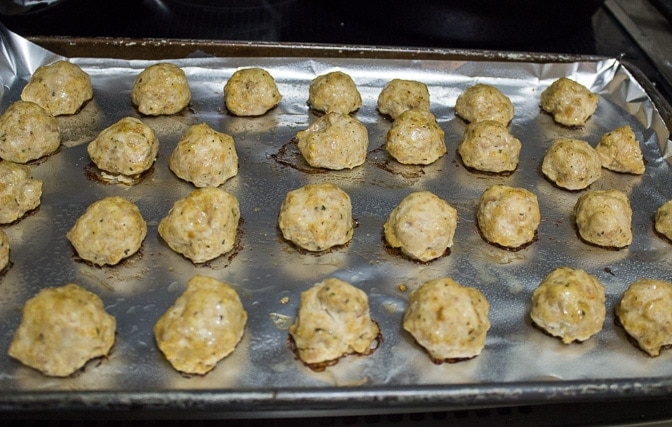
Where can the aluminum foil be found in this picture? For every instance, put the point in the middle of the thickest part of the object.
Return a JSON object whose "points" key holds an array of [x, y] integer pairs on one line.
{"points": [[270, 274]]}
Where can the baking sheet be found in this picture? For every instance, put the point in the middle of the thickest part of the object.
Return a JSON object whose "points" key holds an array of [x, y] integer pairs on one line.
{"points": [[519, 364]]}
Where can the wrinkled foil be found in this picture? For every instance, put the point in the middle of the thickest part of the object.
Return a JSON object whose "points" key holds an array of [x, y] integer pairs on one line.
{"points": [[270, 274]]}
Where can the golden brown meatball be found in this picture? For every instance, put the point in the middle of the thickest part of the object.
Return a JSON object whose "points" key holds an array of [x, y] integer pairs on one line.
{"points": [[572, 164], [400, 95], [161, 89], [19, 192], [448, 320], [604, 218], [27, 132], [204, 157], [645, 312], [415, 138], [334, 92], [251, 92], [333, 321], [60, 88], [203, 326], [570, 103], [619, 151], [569, 304], [663, 219], [4, 251], [484, 102], [508, 216], [489, 147], [62, 329]]}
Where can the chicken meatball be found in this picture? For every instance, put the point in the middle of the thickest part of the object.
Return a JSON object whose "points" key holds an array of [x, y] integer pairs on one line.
{"points": [[488, 146], [663, 219], [334, 141], [203, 326], [161, 89], [508, 216], [415, 138], [62, 329], [203, 225], [448, 320], [484, 102], [571, 164], [334, 92], [422, 226], [27, 132], [569, 304], [19, 192], [110, 230], [570, 103], [619, 151], [251, 92], [333, 321], [205, 157], [125, 149], [60, 88], [645, 312], [604, 218], [400, 95], [4, 251]]}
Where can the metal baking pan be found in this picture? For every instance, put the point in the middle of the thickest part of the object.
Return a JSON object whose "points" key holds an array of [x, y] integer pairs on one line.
{"points": [[519, 365]]}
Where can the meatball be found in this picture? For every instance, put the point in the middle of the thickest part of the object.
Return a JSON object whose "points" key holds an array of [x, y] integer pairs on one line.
{"points": [[251, 92], [19, 192], [27, 132], [60, 88], [571, 164], [203, 326], [619, 151], [62, 329], [126, 148], [4, 250], [569, 304], [663, 219], [570, 103], [422, 226], [400, 95], [334, 92], [415, 138], [161, 89], [508, 216], [203, 225], [110, 230], [333, 321], [645, 312], [448, 320], [205, 157], [489, 147], [334, 141], [604, 218], [484, 102], [316, 217]]}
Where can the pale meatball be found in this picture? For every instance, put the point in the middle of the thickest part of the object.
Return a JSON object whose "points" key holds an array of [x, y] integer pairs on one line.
{"points": [[110, 230], [27, 132], [4, 251], [251, 92], [663, 219], [205, 157], [203, 225], [484, 102], [60, 88], [19, 192], [488, 146], [415, 138], [645, 312], [126, 148], [448, 320], [61, 329], [569, 304], [619, 151], [422, 226], [508, 216], [571, 164], [203, 326], [161, 89], [570, 103], [316, 217], [400, 95], [333, 321], [334, 141], [334, 92], [604, 218]]}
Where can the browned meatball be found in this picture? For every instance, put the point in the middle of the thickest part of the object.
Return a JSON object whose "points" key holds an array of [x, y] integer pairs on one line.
{"points": [[251, 92], [572, 164], [619, 151], [508, 216], [415, 138], [604, 218], [489, 147], [19, 192], [27, 132], [484, 102], [334, 92], [60, 88], [570, 103], [161, 89], [400, 95]]}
